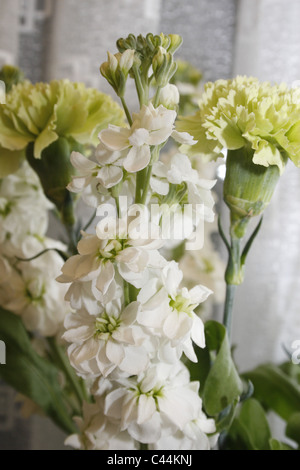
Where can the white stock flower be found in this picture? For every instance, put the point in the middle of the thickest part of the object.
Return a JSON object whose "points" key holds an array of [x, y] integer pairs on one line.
{"points": [[19, 193], [97, 432], [157, 403], [169, 311], [107, 170], [110, 339], [151, 127], [33, 293], [177, 171], [194, 436], [121, 244]]}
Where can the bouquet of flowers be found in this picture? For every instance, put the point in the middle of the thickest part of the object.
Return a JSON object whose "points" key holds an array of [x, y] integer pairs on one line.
{"points": [[107, 328]]}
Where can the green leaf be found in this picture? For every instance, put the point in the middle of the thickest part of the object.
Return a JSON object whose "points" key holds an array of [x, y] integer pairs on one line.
{"points": [[292, 370], [277, 445], [275, 390], [250, 430], [223, 384], [200, 370], [30, 374], [293, 428]]}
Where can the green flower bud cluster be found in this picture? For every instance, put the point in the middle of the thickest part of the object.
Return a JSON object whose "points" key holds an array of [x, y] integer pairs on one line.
{"points": [[164, 67], [117, 68], [136, 57]]}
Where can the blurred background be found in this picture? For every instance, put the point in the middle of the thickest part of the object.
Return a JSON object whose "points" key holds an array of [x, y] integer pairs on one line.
{"points": [[52, 39]]}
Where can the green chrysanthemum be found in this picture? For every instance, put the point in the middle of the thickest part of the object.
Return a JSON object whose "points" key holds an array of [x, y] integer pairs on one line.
{"points": [[246, 113], [44, 112]]}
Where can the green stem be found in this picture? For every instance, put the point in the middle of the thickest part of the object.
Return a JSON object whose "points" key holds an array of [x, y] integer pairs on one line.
{"points": [[126, 293], [140, 180], [128, 115], [147, 183], [228, 310], [156, 97], [65, 366], [141, 91], [143, 446], [90, 221]]}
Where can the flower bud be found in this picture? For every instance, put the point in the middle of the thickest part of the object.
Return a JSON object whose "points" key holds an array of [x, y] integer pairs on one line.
{"points": [[116, 69], [112, 63], [169, 97], [126, 61], [248, 188], [163, 67], [175, 43]]}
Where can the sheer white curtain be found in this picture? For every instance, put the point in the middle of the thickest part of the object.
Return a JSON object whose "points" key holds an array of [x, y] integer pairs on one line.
{"points": [[267, 312], [59, 38]]}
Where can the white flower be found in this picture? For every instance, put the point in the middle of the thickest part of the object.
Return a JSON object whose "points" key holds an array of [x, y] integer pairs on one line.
{"points": [[151, 127], [159, 402], [19, 193], [169, 311], [35, 295], [107, 170], [177, 171], [108, 340], [97, 432], [194, 436], [119, 244], [206, 267]]}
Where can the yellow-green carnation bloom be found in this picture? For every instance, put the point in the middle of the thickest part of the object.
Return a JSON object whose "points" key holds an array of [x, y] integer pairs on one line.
{"points": [[42, 113], [246, 113]]}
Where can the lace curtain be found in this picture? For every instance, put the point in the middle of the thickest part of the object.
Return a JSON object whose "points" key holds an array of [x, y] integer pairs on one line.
{"points": [[66, 38]]}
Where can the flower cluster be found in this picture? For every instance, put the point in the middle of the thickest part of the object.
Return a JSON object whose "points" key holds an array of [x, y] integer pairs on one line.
{"points": [[28, 288], [132, 319], [244, 112]]}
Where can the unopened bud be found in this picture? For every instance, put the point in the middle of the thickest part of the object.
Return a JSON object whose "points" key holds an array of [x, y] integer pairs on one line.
{"points": [[169, 97], [248, 188], [163, 67]]}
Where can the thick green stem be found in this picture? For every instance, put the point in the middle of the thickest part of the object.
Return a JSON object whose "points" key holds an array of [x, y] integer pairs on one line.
{"points": [[235, 270], [228, 310]]}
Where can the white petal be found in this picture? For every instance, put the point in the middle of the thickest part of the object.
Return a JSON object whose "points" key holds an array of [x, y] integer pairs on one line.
{"points": [[110, 175], [199, 294], [160, 187], [198, 335], [137, 159], [139, 137], [115, 138], [148, 432], [114, 352], [146, 409], [106, 277], [83, 164], [183, 138], [135, 361]]}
